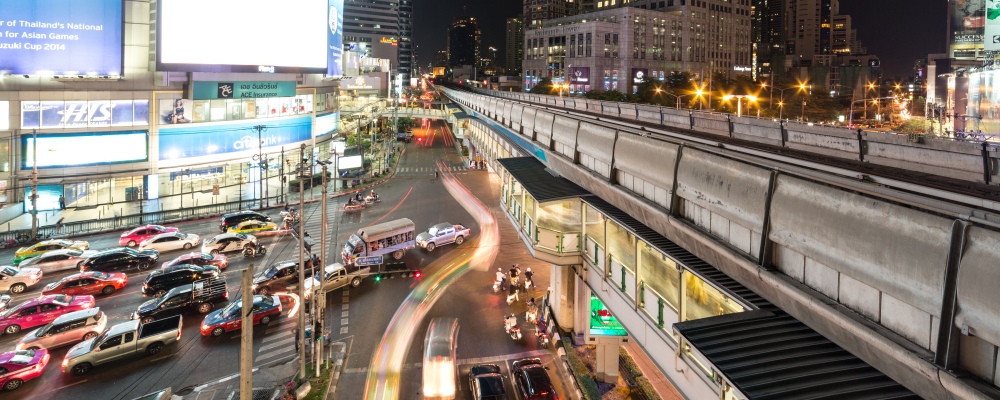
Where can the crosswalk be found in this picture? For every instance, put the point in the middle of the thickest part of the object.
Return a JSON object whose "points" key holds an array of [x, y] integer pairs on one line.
{"points": [[453, 168], [279, 341]]}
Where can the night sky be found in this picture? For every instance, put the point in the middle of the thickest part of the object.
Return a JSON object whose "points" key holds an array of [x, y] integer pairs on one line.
{"points": [[898, 31]]}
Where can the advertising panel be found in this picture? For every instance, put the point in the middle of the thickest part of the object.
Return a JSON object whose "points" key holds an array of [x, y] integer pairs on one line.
{"points": [[602, 323], [327, 123], [992, 29], [348, 162], [48, 197], [228, 137], [80, 149], [83, 114], [579, 75], [242, 36], [242, 90], [335, 38], [361, 83], [62, 37], [968, 21], [4, 115]]}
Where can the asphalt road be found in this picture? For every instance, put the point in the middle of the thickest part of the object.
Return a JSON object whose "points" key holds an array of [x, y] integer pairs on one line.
{"points": [[357, 316]]}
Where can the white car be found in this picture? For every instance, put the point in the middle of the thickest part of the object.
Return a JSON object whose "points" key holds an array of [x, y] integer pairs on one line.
{"points": [[16, 280], [58, 260], [170, 241], [228, 243], [441, 234]]}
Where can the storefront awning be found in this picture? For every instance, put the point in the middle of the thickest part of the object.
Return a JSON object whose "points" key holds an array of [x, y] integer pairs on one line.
{"points": [[541, 184]]}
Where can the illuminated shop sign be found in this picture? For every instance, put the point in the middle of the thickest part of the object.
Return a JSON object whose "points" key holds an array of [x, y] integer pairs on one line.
{"points": [[81, 149], [579, 75], [84, 114], [602, 323], [639, 74], [183, 141], [242, 90]]}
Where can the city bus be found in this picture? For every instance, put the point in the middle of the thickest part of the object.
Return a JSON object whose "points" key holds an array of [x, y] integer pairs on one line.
{"points": [[440, 367]]}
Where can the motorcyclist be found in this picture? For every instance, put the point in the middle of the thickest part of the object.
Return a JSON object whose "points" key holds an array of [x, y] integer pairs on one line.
{"points": [[357, 196], [509, 322], [532, 310], [527, 278]]}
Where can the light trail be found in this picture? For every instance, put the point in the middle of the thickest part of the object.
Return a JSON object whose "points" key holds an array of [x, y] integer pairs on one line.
{"points": [[387, 362]]}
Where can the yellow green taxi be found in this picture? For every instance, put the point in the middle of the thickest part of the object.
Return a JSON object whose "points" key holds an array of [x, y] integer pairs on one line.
{"points": [[253, 226], [37, 249]]}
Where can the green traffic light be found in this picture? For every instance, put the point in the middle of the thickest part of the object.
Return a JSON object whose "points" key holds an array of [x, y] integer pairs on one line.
{"points": [[378, 278]]}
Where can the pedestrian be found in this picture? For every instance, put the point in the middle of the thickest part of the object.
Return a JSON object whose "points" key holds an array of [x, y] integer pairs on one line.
{"points": [[435, 174], [527, 278], [59, 224], [62, 202], [295, 332]]}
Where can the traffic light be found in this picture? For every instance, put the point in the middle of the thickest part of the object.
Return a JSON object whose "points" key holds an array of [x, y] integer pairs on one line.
{"points": [[378, 278]]}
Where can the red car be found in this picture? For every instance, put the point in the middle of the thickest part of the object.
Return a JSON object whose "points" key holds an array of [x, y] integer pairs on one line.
{"points": [[17, 367], [137, 235], [92, 283], [40, 311], [230, 319], [200, 259]]}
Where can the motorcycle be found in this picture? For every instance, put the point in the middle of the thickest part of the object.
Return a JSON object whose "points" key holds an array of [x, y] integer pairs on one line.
{"points": [[254, 252], [511, 328], [498, 286], [542, 338], [290, 215], [532, 315], [369, 200]]}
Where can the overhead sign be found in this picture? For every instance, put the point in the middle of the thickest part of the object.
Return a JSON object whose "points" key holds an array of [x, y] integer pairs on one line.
{"points": [[62, 37], [83, 114], [363, 261], [242, 90]]}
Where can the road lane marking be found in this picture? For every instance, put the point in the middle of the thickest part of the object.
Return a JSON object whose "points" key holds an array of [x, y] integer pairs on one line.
{"points": [[283, 342], [344, 306], [344, 314]]}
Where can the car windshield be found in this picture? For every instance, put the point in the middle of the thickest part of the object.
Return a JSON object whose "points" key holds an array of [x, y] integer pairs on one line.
{"points": [[264, 301], [212, 240], [131, 251], [101, 275], [8, 270], [74, 253], [433, 230], [22, 357], [62, 299], [241, 236], [231, 309], [10, 311]]}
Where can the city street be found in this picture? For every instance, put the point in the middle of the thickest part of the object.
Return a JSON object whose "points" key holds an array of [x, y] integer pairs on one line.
{"points": [[356, 316]]}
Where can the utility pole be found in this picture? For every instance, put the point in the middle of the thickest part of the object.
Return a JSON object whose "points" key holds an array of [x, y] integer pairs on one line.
{"points": [[261, 159], [246, 335], [319, 298], [34, 184], [302, 262], [281, 172]]}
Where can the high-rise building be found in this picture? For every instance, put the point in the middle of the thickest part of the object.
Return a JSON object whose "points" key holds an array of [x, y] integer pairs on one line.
{"points": [[538, 11], [440, 59], [463, 42], [768, 36], [514, 52], [381, 29], [407, 50], [808, 29]]}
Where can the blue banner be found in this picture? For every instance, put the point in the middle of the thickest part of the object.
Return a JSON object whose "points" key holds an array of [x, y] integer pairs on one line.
{"points": [[182, 141], [62, 37], [83, 114], [335, 39]]}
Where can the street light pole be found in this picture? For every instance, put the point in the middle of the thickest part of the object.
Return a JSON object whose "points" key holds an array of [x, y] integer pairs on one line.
{"points": [[302, 263], [261, 159], [319, 298], [246, 334], [34, 184]]}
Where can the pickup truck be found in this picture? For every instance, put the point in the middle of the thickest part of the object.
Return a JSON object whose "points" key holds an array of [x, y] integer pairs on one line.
{"points": [[336, 275], [442, 234], [201, 296], [120, 341]]}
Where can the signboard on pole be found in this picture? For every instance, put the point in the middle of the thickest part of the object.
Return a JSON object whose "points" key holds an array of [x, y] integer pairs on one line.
{"points": [[365, 261]]}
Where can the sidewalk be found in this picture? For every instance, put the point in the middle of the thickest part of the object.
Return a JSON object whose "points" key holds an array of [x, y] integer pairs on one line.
{"points": [[663, 387], [267, 381]]}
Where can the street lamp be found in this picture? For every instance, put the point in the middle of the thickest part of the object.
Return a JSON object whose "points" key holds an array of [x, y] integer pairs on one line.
{"points": [[261, 160], [781, 108], [739, 101], [675, 96]]}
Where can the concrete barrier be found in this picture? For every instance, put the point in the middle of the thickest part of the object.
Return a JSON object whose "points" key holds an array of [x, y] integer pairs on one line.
{"points": [[609, 109], [717, 124], [650, 114], [822, 140], [758, 130], [627, 111], [594, 106], [675, 118], [543, 128], [953, 159], [564, 132]]}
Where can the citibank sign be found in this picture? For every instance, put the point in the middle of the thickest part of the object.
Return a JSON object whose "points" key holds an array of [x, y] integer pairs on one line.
{"points": [[216, 139], [248, 142]]}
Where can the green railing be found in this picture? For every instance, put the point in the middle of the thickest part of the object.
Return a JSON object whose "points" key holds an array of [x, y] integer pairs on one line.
{"points": [[557, 241]]}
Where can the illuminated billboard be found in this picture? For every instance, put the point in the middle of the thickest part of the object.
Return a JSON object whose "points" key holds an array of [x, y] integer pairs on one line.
{"points": [[73, 150], [62, 37], [83, 114], [967, 22], [242, 36], [335, 38], [349, 162], [196, 140], [992, 29], [602, 323]]}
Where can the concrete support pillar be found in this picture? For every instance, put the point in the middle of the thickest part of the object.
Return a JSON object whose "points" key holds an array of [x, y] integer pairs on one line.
{"points": [[606, 350], [562, 287], [581, 314]]}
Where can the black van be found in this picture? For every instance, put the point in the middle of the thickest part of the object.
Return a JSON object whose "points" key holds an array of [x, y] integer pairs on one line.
{"points": [[233, 219], [404, 137], [161, 281]]}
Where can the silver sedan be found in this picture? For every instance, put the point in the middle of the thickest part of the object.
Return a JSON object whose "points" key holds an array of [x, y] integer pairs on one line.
{"points": [[58, 260], [170, 241]]}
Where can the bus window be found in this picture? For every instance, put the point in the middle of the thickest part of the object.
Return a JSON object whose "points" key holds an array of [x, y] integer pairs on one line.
{"points": [[440, 372]]}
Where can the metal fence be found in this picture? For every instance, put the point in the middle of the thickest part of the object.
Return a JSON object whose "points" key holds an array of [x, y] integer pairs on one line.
{"points": [[630, 380]]}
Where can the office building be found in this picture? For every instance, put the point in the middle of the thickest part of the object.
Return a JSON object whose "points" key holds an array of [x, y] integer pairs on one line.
{"points": [[538, 11], [768, 38], [407, 49], [463, 42], [514, 51], [381, 29]]}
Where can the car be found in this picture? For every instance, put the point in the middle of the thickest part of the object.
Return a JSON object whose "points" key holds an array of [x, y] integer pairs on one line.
{"points": [[233, 219], [58, 260], [160, 281], [201, 296], [277, 276], [37, 249], [228, 243], [19, 366], [69, 328], [229, 318], [16, 280], [252, 226], [200, 259], [41, 310], [531, 381], [442, 234], [120, 259], [137, 235], [486, 383], [170, 241], [404, 137], [92, 283]]}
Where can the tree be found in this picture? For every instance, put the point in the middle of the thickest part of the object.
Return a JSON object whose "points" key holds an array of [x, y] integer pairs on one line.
{"points": [[543, 86], [679, 80], [647, 93]]}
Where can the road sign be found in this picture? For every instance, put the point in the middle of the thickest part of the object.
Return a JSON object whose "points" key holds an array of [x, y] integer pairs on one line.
{"points": [[363, 261]]}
